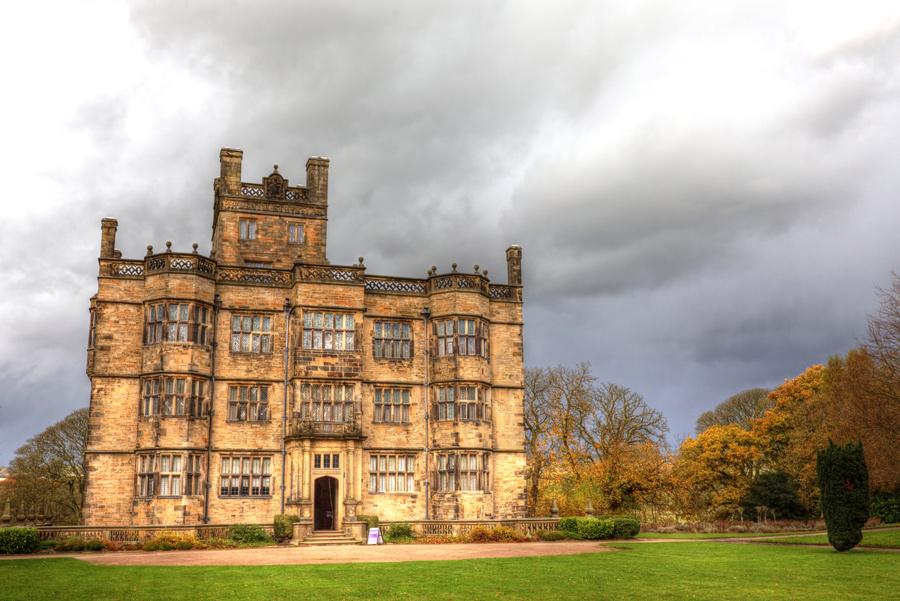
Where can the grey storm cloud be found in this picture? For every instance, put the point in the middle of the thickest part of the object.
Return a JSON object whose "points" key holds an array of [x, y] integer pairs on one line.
{"points": [[705, 193]]}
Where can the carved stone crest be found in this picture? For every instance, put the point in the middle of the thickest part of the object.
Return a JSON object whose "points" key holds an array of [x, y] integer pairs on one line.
{"points": [[275, 185]]}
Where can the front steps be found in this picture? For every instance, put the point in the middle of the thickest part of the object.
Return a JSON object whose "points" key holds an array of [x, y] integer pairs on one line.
{"points": [[328, 537]]}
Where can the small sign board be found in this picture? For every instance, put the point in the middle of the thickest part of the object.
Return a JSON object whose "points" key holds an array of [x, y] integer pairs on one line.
{"points": [[375, 537]]}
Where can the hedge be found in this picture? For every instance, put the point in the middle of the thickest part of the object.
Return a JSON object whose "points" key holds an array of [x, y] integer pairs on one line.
{"points": [[591, 528], [248, 534], [19, 540], [283, 526]]}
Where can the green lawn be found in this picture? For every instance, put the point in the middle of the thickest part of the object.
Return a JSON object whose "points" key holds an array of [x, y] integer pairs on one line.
{"points": [[638, 571], [889, 539], [702, 535]]}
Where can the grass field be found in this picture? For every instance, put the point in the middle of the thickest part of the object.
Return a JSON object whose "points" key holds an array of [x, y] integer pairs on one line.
{"points": [[703, 535], [888, 539], [658, 571]]}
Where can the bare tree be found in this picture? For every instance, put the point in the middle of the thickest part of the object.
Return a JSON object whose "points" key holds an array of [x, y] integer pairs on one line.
{"points": [[50, 469], [537, 425], [740, 409], [884, 332]]}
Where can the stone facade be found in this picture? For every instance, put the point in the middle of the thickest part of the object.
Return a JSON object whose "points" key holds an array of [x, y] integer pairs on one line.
{"points": [[264, 380]]}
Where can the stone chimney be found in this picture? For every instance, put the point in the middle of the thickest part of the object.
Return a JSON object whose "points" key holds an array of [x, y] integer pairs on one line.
{"points": [[317, 179], [514, 265], [108, 228], [230, 170]]}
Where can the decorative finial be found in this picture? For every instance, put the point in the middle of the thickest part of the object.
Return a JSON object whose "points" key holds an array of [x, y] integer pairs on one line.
{"points": [[477, 267], [276, 168], [434, 269], [149, 249], [454, 267], [168, 246], [361, 261], [484, 272], [194, 246]]}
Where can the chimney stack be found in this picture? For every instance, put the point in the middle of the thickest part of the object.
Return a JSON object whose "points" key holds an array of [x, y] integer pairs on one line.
{"points": [[230, 170], [514, 265], [317, 179], [108, 228]]}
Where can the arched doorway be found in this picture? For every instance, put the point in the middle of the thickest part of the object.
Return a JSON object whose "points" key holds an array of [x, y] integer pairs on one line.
{"points": [[325, 503]]}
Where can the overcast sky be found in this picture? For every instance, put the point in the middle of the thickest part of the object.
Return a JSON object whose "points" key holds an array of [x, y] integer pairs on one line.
{"points": [[706, 193]]}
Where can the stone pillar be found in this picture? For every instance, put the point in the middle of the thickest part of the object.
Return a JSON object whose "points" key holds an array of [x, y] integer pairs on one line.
{"points": [[307, 471], [108, 228], [230, 170], [302, 529], [514, 265], [317, 179]]}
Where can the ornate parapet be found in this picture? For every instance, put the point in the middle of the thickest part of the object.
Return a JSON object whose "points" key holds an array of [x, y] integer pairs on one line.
{"points": [[353, 274], [501, 292], [311, 428], [379, 284], [170, 262], [122, 268], [253, 276]]}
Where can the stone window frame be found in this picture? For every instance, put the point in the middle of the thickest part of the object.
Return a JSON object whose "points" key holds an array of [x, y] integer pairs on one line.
{"points": [[92, 328], [254, 469], [247, 229], [318, 399], [385, 473], [321, 332], [396, 345], [461, 402], [464, 336], [327, 461], [157, 395], [463, 471], [254, 329], [156, 471], [397, 407], [247, 400], [159, 327], [293, 238]]}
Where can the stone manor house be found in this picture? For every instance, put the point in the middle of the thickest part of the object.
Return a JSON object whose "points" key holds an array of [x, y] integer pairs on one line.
{"points": [[262, 379]]}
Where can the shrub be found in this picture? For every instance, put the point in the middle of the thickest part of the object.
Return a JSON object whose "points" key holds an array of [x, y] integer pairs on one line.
{"points": [[220, 543], [844, 493], [94, 544], [886, 506], [569, 524], [48, 544], [243, 533], [498, 534], [71, 543], [370, 520], [283, 526], [396, 532], [19, 540], [625, 527], [551, 535], [168, 541], [594, 529], [776, 491]]}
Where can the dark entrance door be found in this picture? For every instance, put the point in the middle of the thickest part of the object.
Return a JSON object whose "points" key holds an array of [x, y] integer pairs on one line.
{"points": [[325, 503]]}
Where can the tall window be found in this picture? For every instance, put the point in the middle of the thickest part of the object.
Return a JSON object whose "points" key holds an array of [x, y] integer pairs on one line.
{"points": [[248, 403], [251, 334], [295, 233], [92, 329], [446, 402], [392, 473], [461, 337], [327, 461], [169, 474], [177, 322], [146, 475], [247, 229], [249, 476], [463, 471], [326, 402], [192, 475], [464, 403], [174, 396], [392, 340], [328, 331], [391, 405]]}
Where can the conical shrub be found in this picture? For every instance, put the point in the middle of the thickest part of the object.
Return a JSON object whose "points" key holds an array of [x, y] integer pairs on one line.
{"points": [[844, 492]]}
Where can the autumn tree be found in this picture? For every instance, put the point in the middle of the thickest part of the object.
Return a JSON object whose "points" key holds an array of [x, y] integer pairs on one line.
{"points": [[717, 468], [49, 469], [537, 428], [741, 409]]}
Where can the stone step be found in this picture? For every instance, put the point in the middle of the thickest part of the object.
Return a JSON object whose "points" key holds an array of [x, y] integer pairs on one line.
{"points": [[314, 540]]}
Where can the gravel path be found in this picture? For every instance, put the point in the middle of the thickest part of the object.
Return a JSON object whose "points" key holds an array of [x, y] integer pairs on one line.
{"points": [[336, 554]]}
